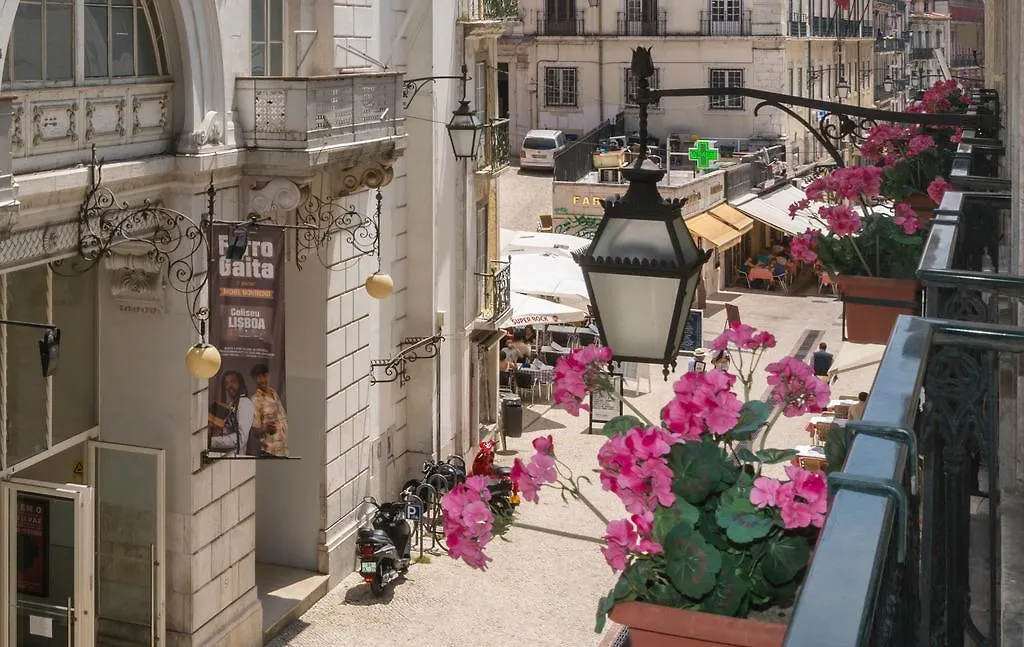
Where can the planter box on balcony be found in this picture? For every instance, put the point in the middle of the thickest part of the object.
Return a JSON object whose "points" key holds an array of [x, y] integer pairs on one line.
{"points": [[653, 625], [871, 305]]}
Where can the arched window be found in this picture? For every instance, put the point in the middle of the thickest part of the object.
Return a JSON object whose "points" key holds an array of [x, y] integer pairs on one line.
{"points": [[72, 42]]}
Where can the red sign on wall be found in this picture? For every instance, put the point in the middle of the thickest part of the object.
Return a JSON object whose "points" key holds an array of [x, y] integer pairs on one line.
{"points": [[33, 545]]}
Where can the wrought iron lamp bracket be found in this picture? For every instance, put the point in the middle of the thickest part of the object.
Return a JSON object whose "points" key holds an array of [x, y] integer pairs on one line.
{"points": [[412, 350], [320, 220], [412, 87], [878, 487]]}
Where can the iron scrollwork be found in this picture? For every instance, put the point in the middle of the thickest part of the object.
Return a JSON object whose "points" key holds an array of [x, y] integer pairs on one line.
{"points": [[412, 87], [413, 350], [320, 220]]}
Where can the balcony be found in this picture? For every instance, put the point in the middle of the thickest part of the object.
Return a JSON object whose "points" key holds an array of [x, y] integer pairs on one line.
{"points": [[915, 530], [551, 25], [495, 288], [656, 25], [922, 53], [798, 25], [304, 114], [712, 26], [967, 59], [838, 27], [489, 11], [881, 94], [890, 45], [495, 143]]}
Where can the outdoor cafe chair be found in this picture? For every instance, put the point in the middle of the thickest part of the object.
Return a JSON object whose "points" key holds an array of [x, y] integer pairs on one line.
{"points": [[825, 281], [525, 382]]}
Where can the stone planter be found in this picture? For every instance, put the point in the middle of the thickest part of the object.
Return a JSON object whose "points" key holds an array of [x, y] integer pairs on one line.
{"points": [[652, 625], [871, 305]]}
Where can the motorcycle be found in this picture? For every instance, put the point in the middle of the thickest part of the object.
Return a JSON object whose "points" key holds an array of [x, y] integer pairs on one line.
{"points": [[504, 492], [384, 547]]}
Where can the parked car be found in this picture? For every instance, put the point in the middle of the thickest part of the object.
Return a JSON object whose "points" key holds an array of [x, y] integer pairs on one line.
{"points": [[540, 147]]}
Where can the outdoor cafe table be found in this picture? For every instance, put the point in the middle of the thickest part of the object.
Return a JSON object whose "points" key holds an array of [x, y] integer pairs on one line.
{"points": [[818, 426]]}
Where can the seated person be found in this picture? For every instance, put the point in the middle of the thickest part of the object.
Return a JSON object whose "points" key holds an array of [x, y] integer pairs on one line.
{"points": [[747, 264], [779, 270], [857, 410], [509, 355]]}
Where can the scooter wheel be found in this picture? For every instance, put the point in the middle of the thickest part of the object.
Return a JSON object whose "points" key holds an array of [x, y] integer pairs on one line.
{"points": [[377, 583]]}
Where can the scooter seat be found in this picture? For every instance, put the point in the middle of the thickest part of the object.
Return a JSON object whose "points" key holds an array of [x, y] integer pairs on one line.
{"points": [[374, 536], [501, 470]]}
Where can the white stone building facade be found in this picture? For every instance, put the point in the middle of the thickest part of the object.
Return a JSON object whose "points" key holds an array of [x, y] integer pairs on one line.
{"points": [[276, 105]]}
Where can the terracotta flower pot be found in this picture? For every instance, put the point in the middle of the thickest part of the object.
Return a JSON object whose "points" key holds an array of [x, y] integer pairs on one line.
{"points": [[923, 206], [872, 323], [652, 625]]}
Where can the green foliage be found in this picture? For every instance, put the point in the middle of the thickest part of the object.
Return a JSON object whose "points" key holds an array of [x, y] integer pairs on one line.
{"points": [[837, 446], [888, 251], [753, 416], [693, 564], [697, 469], [620, 425], [742, 522], [768, 456], [665, 519]]}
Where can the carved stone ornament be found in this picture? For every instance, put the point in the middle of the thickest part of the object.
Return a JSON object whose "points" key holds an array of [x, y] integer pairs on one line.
{"points": [[208, 132], [136, 278], [277, 194], [371, 169]]}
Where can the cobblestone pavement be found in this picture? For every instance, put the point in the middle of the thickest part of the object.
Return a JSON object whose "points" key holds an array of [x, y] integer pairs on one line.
{"points": [[548, 573], [522, 197]]}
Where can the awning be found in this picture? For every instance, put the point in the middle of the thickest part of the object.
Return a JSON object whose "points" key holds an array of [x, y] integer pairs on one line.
{"points": [[773, 210], [736, 219], [713, 230]]}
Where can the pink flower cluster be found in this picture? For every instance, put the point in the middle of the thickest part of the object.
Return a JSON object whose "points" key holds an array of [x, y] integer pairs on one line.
{"points": [[885, 144], [627, 536], [529, 477], [468, 522], [802, 501], [743, 337], [795, 387], [802, 247], [919, 144], [634, 468], [847, 183], [841, 219], [907, 218], [943, 96], [937, 189], [703, 401], [577, 374]]}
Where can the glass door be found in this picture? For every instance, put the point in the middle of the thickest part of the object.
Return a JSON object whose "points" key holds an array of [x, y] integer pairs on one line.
{"points": [[47, 542], [130, 535]]}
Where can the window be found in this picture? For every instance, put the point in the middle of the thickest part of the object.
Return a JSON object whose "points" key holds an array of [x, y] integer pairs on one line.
{"points": [[641, 10], [726, 79], [725, 10], [267, 31], [561, 87], [485, 284], [480, 87], [799, 81], [630, 92], [116, 39], [791, 88]]}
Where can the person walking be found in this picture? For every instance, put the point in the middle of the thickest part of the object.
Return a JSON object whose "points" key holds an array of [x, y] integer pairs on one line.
{"points": [[822, 361]]}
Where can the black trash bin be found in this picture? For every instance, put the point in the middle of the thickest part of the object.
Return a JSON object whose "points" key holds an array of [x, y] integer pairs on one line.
{"points": [[512, 415]]}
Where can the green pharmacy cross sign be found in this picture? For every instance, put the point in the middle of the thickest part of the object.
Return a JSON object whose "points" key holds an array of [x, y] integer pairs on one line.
{"points": [[704, 153]]}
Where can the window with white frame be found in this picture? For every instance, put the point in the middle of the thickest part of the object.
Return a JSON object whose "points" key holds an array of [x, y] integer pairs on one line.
{"points": [[630, 83], [726, 10], [267, 34], [561, 87], [68, 42], [726, 78]]}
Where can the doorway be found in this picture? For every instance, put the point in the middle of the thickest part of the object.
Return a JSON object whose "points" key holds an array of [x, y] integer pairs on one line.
{"points": [[503, 109]]}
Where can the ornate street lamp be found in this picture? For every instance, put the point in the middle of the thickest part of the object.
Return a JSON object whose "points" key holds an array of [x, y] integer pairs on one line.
{"points": [[887, 83], [464, 128], [842, 89], [642, 268]]}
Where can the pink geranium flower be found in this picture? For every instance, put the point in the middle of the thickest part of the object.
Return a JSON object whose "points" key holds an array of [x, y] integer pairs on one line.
{"points": [[743, 337], [625, 537], [703, 402], [764, 491], [802, 501], [802, 247], [841, 219], [937, 189], [795, 387], [920, 144], [468, 522], [578, 374], [541, 470], [907, 218], [633, 467]]}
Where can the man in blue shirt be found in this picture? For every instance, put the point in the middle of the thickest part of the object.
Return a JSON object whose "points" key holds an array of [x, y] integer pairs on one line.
{"points": [[822, 361]]}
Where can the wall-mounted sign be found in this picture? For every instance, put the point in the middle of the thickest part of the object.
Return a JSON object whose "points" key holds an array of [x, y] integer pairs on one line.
{"points": [[33, 545], [247, 398], [703, 153], [604, 406]]}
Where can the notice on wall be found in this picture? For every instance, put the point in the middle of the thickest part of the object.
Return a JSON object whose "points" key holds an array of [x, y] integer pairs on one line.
{"points": [[247, 397], [33, 545], [693, 338], [604, 406]]}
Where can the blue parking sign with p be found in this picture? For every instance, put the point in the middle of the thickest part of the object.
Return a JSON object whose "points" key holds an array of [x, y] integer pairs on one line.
{"points": [[413, 512]]}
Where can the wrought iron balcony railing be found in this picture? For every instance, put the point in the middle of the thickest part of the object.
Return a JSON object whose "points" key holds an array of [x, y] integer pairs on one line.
{"points": [[922, 53], [822, 27], [710, 25], [967, 59], [495, 154], [890, 45], [656, 25], [798, 26], [495, 286], [489, 11], [551, 25]]}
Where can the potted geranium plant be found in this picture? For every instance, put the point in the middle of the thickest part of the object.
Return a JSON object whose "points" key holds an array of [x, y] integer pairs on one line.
{"points": [[708, 542]]}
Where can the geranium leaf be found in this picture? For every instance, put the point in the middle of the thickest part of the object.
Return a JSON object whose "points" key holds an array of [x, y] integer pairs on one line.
{"points": [[665, 519], [745, 454], [693, 564], [785, 558], [665, 595], [772, 456], [837, 445], [697, 469], [620, 425], [742, 522], [730, 589], [753, 416]]}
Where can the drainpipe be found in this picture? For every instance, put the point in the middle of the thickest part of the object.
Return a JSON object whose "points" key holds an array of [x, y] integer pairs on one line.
{"points": [[600, 62]]}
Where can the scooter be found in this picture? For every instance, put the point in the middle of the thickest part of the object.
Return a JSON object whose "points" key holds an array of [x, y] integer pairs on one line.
{"points": [[384, 547], [504, 492]]}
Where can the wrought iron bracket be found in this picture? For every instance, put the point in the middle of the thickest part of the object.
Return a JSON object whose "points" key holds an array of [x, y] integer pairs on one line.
{"points": [[412, 87], [878, 487], [897, 434], [320, 220], [412, 350]]}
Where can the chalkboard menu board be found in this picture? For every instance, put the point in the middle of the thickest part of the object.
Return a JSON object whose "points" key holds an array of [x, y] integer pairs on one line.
{"points": [[603, 406], [694, 336]]}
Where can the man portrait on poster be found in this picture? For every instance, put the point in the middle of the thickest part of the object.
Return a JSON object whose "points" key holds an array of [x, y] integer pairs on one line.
{"points": [[270, 422], [231, 417]]}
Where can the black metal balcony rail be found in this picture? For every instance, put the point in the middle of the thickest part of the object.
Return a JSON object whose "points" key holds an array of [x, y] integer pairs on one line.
{"points": [[824, 27], [922, 53], [496, 146], [495, 287], [967, 59], [890, 45], [712, 25], [656, 25], [490, 10], [798, 26], [576, 160], [552, 25]]}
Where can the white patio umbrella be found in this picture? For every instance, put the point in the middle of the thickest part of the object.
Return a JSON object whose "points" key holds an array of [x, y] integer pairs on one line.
{"points": [[528, 311], [550, 275], [533, 242]]}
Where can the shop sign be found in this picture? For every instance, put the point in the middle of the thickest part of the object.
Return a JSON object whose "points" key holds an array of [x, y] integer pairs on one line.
{"points": [[33, 546], [247, 397]]}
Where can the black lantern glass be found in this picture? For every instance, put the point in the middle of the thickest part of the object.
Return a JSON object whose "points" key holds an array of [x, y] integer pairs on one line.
{"points": [[642, 270], [887, 83], [464, 131], [843, 89]]}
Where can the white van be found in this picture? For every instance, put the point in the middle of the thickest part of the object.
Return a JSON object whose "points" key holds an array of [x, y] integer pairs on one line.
{"points": [[540, 147]]}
